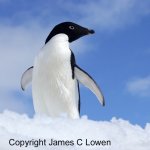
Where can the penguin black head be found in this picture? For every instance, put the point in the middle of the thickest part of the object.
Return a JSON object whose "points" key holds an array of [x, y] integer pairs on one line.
{"points": [[72, 30]]}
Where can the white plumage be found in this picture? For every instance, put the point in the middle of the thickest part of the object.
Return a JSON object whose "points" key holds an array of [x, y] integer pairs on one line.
{"points": [[54, 91]]}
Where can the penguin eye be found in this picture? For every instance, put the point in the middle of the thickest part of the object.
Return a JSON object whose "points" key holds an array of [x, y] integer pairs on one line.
{"points": [[71, 27]]}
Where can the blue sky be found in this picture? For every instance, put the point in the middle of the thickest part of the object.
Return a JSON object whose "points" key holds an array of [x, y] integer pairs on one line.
{"points": [[117, 55]]}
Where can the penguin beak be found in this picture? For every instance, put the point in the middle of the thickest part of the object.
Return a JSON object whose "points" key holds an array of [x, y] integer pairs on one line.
{"points": [[87, 31], [90, 31]]}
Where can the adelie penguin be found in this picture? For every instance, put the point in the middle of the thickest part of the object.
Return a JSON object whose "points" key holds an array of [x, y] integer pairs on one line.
{"points": [[55, 74]]}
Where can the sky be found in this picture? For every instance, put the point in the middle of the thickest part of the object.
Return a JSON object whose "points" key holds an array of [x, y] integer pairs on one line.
{"points": [[116, 56]]}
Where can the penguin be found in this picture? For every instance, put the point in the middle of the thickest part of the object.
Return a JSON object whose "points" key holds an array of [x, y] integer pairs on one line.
{"points": [[55, 76]]}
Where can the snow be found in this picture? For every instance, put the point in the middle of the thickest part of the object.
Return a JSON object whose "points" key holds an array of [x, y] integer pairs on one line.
{"points": [[116, 134]]}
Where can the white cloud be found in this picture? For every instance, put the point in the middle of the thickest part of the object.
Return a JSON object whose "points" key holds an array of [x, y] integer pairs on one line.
{"points": [[139, 86], [110, 15], [122, 134], [102, 14], [19, 45]]}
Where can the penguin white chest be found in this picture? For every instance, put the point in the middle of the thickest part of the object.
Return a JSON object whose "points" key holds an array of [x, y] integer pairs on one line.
{"points": [[54, 90]]}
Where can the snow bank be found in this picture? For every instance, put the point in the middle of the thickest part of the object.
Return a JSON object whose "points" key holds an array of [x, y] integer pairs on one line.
{"points": [[19, 132]]}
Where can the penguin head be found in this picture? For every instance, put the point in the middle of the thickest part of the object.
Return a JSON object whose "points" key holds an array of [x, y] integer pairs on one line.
{"points": [[72, 30]]}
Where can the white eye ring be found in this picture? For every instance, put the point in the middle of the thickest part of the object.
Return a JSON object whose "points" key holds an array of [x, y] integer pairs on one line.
{"points": [[71, 27]]}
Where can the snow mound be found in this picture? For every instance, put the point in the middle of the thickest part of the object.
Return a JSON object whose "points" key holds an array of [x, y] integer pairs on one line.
{"points": [[19, 132]]}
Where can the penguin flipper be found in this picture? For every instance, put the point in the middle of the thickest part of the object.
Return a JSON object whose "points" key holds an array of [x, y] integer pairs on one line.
{"points": [[26, 78], [88, 82]]}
